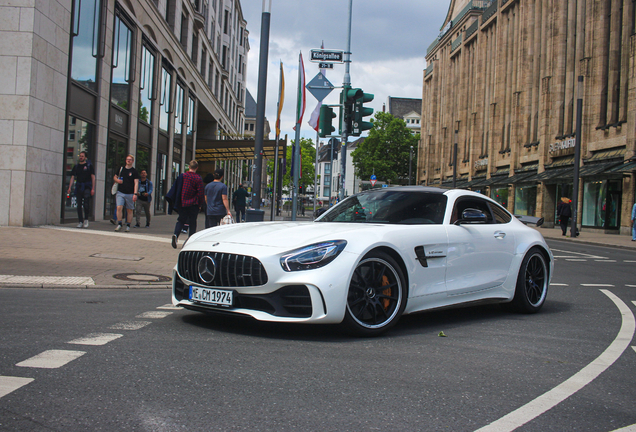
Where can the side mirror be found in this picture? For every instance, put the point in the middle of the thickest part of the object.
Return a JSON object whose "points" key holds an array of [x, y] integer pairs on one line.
{"points": [[471, 215]]}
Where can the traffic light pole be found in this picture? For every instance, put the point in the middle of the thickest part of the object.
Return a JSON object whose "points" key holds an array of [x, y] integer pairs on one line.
{"points": [[346, 84]]}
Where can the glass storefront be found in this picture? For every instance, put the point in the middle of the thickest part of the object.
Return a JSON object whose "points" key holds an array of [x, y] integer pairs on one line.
{"points": [[142, 161], [601, 204], [115, 159], [81, 137], [165, 100], [500, 195], [86, 37], [562, 190], [161, 180], [525, 200]]}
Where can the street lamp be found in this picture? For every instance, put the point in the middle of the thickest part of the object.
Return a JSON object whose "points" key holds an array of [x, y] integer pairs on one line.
{"points": [[410, 163]]}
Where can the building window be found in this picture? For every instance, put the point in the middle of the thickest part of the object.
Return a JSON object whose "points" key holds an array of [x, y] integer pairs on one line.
{"points": [[195, 49], [179, 119], [525, 200], [146, 85], [122, 61], [204, 57], [184, 31], [86, 43], [71, 135], [165, 100], [224, 57], [226, 22]]}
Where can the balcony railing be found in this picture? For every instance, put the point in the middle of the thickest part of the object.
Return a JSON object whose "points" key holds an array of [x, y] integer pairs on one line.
{"points": [[472, 29], [456, 43], [429, 69], [488, 13], [473, 5]]}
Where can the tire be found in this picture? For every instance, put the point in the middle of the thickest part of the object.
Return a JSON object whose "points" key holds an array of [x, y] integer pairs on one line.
{"points": [[532, 283], [376, 296]]}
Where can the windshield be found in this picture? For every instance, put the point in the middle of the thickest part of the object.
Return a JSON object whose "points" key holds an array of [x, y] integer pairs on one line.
{"points": [[388, 207]]}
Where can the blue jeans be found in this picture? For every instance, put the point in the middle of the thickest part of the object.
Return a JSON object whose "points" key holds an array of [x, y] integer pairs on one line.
{"points": [[634, 231], [187, 216]]}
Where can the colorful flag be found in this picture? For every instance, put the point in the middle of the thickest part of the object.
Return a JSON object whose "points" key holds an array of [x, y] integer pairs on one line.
{"points": [[314, 119], [302, 102], [281, 98]]}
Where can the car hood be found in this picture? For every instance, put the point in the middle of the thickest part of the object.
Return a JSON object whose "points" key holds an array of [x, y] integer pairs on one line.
{"points": [[283, 235]]}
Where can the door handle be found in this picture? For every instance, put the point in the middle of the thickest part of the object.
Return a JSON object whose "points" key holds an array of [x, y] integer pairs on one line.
{"points": [[500, 235]]}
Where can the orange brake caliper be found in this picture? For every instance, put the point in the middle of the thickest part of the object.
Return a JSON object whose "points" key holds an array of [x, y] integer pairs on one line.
{"points": [[387, 292]]}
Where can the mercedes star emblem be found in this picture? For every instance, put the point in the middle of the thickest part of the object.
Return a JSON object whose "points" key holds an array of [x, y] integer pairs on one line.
{"points": [[207, 269]]}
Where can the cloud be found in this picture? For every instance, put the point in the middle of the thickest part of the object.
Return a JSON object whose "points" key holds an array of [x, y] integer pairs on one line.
{"points": [[388, 46]]}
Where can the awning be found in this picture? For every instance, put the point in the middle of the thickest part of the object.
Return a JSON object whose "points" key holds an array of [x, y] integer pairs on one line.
{"points": [[628, 167], [589, 170], [555, 175], [477, 181], [216, 150], [523, 177], [606, 155], [561, 162]]}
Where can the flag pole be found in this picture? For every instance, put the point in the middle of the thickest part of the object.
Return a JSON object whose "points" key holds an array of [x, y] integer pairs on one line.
{"points": [[296, 146], [316, 172], [279, 106]]}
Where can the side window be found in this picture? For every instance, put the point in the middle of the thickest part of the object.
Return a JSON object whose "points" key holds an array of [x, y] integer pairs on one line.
{"points": [[501, 216], [475, 203]]}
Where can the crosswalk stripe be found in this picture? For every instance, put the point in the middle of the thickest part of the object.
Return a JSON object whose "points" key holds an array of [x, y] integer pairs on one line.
{"points": [[51, 359], [169, 306], [95, 339], [129, 325], [153, 314], [597, 285], [9, 384]]}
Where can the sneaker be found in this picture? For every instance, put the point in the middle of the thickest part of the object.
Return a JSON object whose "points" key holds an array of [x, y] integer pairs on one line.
{"points": [[118, 227], [136, 226], [147, 225], [185, 231], [80, 225], [85, 223], [127, 228], [174, 241], [113, 221]]}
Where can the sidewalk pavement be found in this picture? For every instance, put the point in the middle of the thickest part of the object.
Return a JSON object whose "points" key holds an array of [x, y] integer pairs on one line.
{"points": [[63, 256]]}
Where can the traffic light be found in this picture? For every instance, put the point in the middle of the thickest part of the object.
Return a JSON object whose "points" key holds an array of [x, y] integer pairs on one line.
{"points": [[325, 127], [348, 97], [359, 112]]}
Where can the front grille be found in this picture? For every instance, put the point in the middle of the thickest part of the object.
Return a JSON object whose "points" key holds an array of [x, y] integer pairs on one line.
{"points": [[232, 270]]}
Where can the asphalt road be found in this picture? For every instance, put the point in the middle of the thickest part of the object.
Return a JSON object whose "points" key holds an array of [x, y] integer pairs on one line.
{"points": [[170, 370]]}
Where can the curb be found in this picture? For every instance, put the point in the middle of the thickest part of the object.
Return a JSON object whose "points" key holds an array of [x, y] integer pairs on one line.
{"points": [[82, 287]]}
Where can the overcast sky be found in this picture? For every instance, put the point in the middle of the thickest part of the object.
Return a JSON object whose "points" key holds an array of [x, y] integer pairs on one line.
{"points": [[388, 45]]}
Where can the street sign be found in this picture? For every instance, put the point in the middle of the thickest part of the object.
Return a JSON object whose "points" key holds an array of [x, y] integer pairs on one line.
{"points": [[319, 86], [321, 55], [385, 185], [325, 65], [373, 177], [373, 182]]}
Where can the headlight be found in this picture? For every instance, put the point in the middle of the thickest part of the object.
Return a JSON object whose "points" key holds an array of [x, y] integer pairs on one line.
{"points": [[312, 256]]}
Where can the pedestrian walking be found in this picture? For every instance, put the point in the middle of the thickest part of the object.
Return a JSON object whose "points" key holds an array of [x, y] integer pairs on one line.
{"points": [[144, 198], [83, 174], [191, 201], [217, 205], [127, 191], [634, 222], [239, 199], [564, 211]]}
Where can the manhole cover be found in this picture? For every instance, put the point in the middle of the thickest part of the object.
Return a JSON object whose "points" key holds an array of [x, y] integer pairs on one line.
{"points": [[141, 277]]}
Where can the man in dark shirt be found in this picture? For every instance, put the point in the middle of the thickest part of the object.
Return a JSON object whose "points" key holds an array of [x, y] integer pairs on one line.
{"points": [[84, 176], [239, 200], [144, 198], [191, 201], [128, 180]]}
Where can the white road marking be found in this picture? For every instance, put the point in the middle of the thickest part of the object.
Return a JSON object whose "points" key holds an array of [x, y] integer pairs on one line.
{"points": [[153, 314], [169, 306], [573, 254], [129, 325], [52, 280], [51, 359], [597, 285], [630, 428], [110, 234], [558, 284], [631, 286], [575, 259], [548, 400], [629, 261], [96, 339], [9, 384], [605, 260]]}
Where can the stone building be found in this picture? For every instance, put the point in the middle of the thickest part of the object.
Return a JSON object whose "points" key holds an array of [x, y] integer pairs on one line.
{"points": [[502, 83], [408, 109], [152, 78]]}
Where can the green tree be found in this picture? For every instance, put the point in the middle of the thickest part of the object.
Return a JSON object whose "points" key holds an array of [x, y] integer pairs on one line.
{"points": [[385, 152], [308, 156]]}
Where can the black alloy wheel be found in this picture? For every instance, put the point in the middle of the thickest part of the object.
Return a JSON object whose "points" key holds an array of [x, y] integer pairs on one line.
{"points": [[532, 283], [376, 296]]}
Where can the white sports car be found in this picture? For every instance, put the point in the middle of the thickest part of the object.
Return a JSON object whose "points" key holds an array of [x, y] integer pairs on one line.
{"points": [[370, 259]]}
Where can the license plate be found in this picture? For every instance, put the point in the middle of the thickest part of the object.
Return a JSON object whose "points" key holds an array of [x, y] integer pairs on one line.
{"points": [[210, 296]]}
